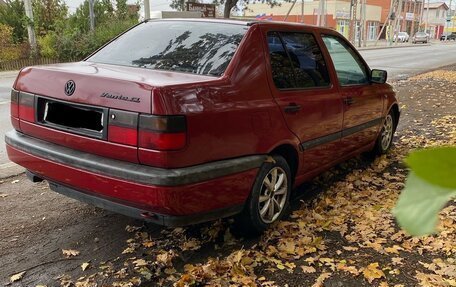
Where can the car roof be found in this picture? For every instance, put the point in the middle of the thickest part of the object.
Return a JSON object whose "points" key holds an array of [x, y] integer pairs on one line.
{"points": [[209, 20], [248, 22]]}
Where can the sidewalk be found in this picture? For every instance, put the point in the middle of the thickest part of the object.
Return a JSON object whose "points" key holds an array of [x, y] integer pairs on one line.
{"points": [[8, 74], [383, 44], [7, 168]]}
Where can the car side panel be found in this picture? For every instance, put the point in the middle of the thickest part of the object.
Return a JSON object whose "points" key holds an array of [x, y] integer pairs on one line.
{"points": [[363, 110], [320, 116], [232, 117]]}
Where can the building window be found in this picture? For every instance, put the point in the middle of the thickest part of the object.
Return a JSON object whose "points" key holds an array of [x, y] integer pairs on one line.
{"points": [[343, 27], [372, 28]]}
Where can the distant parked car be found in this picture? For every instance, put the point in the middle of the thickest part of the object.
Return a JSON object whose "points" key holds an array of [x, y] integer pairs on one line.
{"points": [[402, 37], [448, 36], [420, 37]]}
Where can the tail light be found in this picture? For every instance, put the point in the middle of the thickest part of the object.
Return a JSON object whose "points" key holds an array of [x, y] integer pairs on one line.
{"points": [[26, 107], [14, 103], [123, 127], [15, 109], [162, 132]]}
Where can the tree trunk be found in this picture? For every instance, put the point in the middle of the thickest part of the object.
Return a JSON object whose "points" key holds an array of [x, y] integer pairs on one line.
{"points": [[229, 4]]}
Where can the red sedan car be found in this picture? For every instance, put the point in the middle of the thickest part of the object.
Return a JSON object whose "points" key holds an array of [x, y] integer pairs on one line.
{"points": [[184, 121]]}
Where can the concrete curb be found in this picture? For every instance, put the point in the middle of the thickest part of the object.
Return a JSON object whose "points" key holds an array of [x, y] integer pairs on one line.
{"points": [[392, 47], [10, 169], [9, 74]]}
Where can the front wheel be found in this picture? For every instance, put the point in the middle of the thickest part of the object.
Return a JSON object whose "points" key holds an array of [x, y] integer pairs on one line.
{"points": [[385, 137], [269, 197]]}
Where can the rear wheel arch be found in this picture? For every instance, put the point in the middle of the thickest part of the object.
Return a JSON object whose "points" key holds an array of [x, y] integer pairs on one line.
{"points": [[395, 109], [290, 154]]}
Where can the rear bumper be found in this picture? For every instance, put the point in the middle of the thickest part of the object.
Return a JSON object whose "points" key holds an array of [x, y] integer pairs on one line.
{"points": [[166, 196], [131, 211]]}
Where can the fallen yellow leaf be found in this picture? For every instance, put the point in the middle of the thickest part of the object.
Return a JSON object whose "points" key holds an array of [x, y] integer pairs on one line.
{"points": [[17, 277], [321, 279], [140, 263], [70, 252], [85, 265], [371, 272], [308, 269]]}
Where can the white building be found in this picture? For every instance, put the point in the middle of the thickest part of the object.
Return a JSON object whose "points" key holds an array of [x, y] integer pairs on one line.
{"points": [[435, 15]]}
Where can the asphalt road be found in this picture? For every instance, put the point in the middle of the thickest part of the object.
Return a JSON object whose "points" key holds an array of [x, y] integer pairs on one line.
{"points": [[408, 61], [399, 62]]}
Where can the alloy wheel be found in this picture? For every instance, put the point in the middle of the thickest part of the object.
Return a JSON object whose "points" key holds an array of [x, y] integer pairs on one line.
{"points": [[273, 195], [387, 132]]}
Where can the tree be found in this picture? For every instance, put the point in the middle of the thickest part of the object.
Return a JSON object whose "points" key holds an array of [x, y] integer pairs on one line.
{"points": [[12, 14], [103, 10], [121, 9], [229, 4], [47, 14], [179, 5], [9, 50]]}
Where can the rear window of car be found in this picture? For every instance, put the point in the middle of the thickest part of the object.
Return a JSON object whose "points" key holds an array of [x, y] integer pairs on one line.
{"points": [[296, 61], [203, 48]]}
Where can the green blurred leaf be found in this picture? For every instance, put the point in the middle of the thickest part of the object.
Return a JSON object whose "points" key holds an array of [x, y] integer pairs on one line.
{"points": [[436, 165], [419, 204]]}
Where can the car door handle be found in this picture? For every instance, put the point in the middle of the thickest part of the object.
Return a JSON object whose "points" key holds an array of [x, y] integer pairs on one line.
{"points": [[292, 108], [349, 101]]}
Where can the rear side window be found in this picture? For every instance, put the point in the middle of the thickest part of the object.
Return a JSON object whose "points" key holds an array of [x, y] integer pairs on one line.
{"points": [[296, 61], [181, 46], [282, 69]]}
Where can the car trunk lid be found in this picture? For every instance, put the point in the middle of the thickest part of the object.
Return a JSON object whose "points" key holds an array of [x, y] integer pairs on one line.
{"points": [[67, 103], [126, 88]]}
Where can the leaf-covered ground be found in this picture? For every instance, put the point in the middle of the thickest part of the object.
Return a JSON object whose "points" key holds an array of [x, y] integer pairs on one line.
{"points": [[340, 231]]}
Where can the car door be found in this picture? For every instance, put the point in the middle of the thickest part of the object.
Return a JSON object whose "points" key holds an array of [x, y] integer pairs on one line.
{"points": [[363, 105], [303, 89]]}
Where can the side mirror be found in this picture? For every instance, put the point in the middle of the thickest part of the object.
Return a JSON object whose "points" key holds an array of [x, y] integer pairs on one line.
{"points": [[379, 76]]}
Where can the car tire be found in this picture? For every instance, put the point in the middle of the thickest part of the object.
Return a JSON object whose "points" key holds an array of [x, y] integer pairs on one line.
{"points": [[267, 202], [385, 138]]}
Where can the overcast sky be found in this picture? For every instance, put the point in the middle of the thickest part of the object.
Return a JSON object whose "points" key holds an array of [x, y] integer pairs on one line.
{"points": [[163, 5], [155, 5]]}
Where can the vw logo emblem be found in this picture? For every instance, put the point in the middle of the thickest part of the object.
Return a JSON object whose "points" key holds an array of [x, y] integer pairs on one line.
{"points": [[70, 86]]}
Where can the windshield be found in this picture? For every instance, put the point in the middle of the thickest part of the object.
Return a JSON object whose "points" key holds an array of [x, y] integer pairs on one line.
{"points": [[204, 48], [421, 34], [402, 33]]}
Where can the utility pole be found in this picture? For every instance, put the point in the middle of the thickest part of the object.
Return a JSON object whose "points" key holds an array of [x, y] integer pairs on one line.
{"points": [[147, 9], [325, 8], [353, 20], [392, 22], [320, 13], [91, 15], [421, 15], [427, 18], [364, 22], [404, 16], [412, 29], [450, 18], [302, 11], [30, 30], [284, 19], [398, 21], [361, 24], [387, 21]]}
